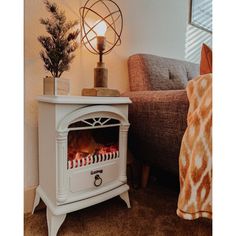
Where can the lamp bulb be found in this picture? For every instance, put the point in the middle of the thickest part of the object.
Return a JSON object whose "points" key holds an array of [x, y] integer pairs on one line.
{"points": [[100, 28]]}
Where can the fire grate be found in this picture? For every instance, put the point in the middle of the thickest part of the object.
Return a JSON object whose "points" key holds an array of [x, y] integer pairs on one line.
{"points": [[92, 159]]}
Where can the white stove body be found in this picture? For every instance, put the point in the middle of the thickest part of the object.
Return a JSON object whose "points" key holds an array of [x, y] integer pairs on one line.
{"points": [[67, 186]]}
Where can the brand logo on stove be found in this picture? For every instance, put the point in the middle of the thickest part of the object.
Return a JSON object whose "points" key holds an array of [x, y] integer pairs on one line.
{"points": [[96, 171]]}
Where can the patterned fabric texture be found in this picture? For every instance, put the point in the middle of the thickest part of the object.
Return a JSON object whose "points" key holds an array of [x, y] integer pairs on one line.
{"points": [[158, 113], [195, 160], [150, 72]]}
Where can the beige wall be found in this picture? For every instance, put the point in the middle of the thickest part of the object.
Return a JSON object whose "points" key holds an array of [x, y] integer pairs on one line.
{"points": [[195, 37], [150, 26]]}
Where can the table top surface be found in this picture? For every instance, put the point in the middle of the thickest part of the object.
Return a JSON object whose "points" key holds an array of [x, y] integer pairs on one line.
{"points": [[83, 100]]}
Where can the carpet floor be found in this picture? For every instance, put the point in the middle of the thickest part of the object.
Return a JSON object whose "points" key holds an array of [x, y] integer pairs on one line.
{"points": [[153, 212]]}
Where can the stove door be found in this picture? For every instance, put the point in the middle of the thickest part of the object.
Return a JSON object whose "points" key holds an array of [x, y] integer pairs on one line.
{"points": [[91, 152]]}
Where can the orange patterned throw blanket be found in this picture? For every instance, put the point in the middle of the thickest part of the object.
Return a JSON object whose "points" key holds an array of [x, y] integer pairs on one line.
{"points": [[195, 160]]}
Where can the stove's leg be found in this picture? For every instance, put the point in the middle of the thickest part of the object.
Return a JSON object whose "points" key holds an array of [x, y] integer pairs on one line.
{"points": [[125, 196], [54, 222], [36, 201]]}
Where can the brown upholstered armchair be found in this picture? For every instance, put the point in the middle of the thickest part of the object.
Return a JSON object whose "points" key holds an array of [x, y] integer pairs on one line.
{"points": [[159, 110]]}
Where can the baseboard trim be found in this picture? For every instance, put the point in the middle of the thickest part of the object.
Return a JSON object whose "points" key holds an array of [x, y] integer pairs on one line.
{"points": [[29, 195]]}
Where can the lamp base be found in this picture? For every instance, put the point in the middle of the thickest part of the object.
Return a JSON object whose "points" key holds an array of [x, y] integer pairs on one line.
{"points": [[100, 92], [100, 75]]}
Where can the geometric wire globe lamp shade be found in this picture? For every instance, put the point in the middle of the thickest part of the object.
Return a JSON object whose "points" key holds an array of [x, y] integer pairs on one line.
{"points": [[101, 11], [101, 27]]}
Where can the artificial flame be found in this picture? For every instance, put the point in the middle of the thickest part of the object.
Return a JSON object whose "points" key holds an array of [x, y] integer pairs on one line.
{"points": [[83, 145]]}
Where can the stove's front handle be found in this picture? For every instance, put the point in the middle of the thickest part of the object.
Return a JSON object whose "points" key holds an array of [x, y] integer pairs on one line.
{"points": [[97, 180]]}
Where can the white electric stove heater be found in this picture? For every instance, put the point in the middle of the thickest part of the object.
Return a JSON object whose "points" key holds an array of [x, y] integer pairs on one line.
{"points": [[82, 153]]}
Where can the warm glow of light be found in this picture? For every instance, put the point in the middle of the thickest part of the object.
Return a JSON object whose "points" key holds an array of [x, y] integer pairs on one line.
{"points": [[100, 28]]}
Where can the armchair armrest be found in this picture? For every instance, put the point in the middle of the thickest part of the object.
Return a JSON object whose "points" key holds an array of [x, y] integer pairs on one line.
{"points": [[158, 120], [160, 96]]}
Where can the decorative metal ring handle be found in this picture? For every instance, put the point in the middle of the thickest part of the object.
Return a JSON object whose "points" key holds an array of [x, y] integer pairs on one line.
{"points": [[97, 181]]}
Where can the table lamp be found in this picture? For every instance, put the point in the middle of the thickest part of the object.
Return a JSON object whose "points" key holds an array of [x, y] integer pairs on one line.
{"points": [[105, 34]]}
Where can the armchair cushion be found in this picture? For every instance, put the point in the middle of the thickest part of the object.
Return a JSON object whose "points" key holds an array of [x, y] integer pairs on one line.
{"points": [[150, 72], [206, 60]]}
